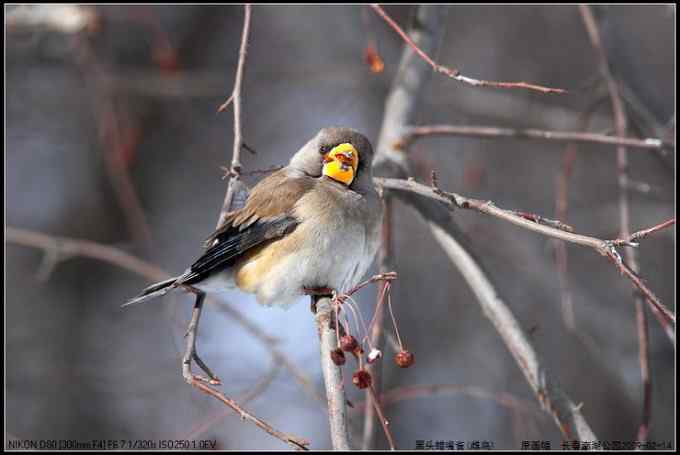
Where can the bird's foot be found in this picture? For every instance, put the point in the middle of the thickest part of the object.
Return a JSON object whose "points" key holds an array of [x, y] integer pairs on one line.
{"points": [[189, 376], [190, 354], [318, 292]]}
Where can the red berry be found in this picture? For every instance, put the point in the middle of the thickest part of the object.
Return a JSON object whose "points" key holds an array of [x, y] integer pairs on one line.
{"points": [[338, 356], [404, 359], [348, 343], [362, 379]]}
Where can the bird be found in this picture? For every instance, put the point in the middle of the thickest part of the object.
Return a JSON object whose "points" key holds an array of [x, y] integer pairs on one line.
{"points": [[310, 228]]}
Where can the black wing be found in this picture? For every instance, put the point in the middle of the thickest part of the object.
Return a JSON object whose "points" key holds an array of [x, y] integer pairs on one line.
{"points": [[232, 243]]}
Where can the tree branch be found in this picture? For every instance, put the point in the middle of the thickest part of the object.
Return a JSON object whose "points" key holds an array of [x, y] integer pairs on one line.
{"points": [[235, 99], [332, 374], [454, 73], [641, 234], [416, 132], [604, 247], [259, 388], [64, 248], [296, 443]]}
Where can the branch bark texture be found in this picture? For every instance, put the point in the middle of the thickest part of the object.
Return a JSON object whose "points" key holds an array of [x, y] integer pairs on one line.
{"points": [[332, 374]]}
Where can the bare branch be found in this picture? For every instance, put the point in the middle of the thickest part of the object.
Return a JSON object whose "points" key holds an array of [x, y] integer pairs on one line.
{"points": [[454, 73], [647, 123], [641, 234], [381, 416], [604, 247], [200, 428], [235, 99], [296, 443], [223, 107], [415, 132], [332, 374], [63, 248]]}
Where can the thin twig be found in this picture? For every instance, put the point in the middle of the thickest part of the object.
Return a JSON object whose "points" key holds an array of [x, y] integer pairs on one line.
{"points": [[296, 443], [454, 73], [604, 247], [381, 416], [557, 224], [641, 234], [621, 125], [416, 132], [202, 427], [223, 107], [64, 248], [235, 170], [647, 123]]}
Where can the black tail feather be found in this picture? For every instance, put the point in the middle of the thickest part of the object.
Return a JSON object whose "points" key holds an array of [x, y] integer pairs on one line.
{"points": [[153, 291]]}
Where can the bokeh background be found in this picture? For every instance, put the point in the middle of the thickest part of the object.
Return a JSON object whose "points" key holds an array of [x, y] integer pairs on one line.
{"points": [[113, 104]]}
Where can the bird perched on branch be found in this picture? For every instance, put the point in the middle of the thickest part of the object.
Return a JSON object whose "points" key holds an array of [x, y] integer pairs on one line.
{"points": [[312, 227]]}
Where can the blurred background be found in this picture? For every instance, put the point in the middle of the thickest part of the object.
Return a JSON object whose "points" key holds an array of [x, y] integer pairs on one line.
{"points": [[112, 136]]}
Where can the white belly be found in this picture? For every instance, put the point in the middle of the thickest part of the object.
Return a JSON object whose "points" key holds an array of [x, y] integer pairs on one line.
{"points": [[337, 261]]}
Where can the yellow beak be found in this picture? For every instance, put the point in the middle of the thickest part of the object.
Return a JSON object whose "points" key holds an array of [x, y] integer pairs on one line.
{"points": [[341, 163]]}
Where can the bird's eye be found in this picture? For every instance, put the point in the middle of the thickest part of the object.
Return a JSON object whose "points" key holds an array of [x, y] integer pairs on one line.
{"points": [[325, 149]]}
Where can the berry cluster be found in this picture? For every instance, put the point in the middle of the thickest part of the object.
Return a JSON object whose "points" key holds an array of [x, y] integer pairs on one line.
{"points": [[348, 343]]}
